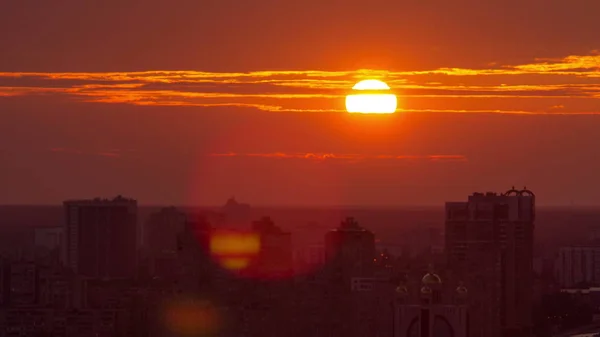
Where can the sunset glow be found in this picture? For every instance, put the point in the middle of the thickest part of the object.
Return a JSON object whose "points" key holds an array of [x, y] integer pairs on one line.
{"points": [[298, 103], [538, 86], [299, 168], [371, 85]]}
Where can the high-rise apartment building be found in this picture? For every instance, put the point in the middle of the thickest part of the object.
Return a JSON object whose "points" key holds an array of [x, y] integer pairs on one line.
{"points": [[578, 266], [24, 283], [489, 245], [101, 237], [4, 283], [195, 266], [275, 257], [350, 251], [161, 230]]}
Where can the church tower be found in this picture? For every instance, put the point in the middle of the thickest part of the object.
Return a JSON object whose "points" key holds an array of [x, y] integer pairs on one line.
{"points": [[428, 311]]}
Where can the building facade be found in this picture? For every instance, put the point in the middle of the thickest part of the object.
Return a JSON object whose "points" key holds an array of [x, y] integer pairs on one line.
{"points": [[161, 229], [275, 257], [101, 237], [578, 266], [50, 239], [350, 251], [489, 244], [431, 309]]}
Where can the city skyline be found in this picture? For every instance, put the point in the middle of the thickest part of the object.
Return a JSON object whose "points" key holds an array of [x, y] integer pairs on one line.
{"points": [[317, 168], [351, 271]]}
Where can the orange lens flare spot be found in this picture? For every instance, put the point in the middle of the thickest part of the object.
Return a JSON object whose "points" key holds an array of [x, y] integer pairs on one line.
{"points": [[234, 263], [234, 243], [191, 318], [234, 250]]}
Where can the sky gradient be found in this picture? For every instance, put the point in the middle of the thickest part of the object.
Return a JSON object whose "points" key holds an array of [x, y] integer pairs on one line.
{"points": [[194, 101]]}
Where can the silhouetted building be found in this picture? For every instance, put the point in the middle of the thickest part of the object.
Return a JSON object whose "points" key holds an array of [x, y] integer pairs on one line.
{"points": [[235, 211], [29, 322], [275, 258], [426, 310], [195, 267], [101, 237], [28, 284], [489, 244], [4, 283], [55, 288], [107, 294], [350, 251], [361, 284], [161, 230], [309, 258], [24, 283], [50, 239], [578, 265]]}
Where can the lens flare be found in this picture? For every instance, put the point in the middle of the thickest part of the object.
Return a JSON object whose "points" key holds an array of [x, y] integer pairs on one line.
{"points": [[234, 250], [235, 263], [191, 318]]}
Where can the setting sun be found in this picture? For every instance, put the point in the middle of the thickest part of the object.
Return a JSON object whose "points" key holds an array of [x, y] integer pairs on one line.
{"points": [[371, 100]]}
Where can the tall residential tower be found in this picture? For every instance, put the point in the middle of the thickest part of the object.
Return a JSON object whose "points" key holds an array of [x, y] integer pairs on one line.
{"points": [[489, 244], [101, 237]]}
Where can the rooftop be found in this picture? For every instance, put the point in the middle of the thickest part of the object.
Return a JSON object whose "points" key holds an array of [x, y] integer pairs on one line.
{"points": [[116, 200]]}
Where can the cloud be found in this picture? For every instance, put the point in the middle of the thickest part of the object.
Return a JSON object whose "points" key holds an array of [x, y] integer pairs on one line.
{"points": [[571, 77], [341, 157], [587, 65]]}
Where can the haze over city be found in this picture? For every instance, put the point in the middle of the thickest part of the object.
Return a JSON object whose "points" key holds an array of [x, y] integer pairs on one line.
{"points": [[231, 168]]}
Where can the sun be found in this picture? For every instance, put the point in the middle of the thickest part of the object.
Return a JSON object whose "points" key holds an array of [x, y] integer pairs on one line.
{"points": [[371, 99]]}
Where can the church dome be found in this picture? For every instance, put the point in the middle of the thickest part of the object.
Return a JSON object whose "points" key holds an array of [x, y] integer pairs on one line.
{"points": [[462, 290], [431, 279], [401, 290]]}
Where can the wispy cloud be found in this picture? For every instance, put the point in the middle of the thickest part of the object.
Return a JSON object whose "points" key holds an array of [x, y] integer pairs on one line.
{"points": [[587, 65], [571, 77], [342, 157]]}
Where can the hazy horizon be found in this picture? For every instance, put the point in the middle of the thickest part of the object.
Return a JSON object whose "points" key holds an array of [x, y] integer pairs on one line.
{"points": [[299, 206], [345, 126]]}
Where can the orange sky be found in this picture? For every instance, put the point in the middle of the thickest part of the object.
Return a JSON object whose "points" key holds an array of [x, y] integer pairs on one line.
{"points": [[194, 102]]}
